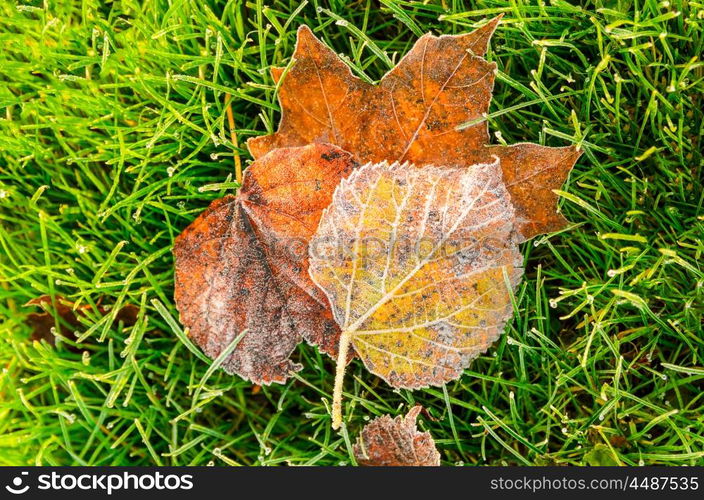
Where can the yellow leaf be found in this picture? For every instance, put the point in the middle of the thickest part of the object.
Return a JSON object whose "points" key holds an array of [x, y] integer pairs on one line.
{"points": [[413, 262]]}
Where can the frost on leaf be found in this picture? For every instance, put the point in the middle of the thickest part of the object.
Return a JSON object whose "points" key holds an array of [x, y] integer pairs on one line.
{"points": [[243, 264], [418, 113], [397, 442], [417, 264]]}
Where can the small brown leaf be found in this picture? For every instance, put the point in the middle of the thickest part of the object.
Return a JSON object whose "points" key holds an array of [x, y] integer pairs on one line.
{"points": [[618, 441], [243, 264], [68, 315], [419, 112], [396, 442]]}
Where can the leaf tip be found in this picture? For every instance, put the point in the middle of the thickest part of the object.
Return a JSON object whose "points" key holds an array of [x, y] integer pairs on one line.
{"points": [[306, 38], [304, 30], [276, 73], [254, 145], [480, 37]]}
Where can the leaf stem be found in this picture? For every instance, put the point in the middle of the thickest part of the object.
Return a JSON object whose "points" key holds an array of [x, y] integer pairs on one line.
{"points": [[233, 138], [344, 348]]}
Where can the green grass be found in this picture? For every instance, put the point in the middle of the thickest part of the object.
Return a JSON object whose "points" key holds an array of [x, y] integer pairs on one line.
{"points": [[114, 137]]}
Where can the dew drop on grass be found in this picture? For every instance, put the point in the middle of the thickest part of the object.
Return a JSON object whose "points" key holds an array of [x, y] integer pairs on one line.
{"points": [[170, 171], [553, 303]]}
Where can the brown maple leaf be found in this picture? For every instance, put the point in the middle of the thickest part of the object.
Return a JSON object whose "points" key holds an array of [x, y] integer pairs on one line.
{"points": [[416, 114], [242, 265], [396, 441], [44, 324]]}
